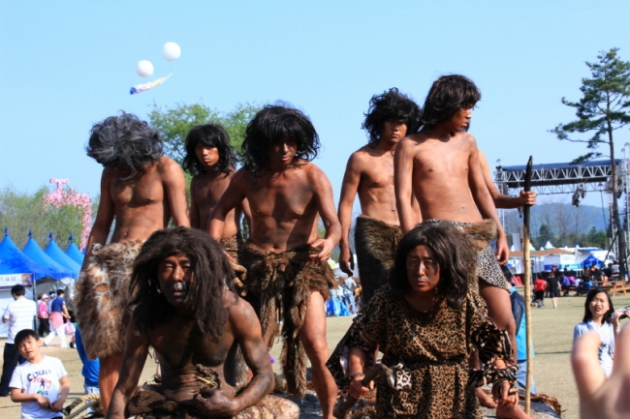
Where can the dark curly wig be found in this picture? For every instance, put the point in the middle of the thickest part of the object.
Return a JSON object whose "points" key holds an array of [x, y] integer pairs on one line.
{"points": [[391, 105], [211, 271], [275, 124], [447, 96], [124, 141], [210, 135], [452, 254]]}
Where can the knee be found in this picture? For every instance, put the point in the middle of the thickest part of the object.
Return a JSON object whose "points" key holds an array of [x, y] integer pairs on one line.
{"points": [[317, 351]]}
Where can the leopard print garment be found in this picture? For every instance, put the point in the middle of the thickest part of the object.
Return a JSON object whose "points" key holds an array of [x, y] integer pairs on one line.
{"points": [[428, 352]]}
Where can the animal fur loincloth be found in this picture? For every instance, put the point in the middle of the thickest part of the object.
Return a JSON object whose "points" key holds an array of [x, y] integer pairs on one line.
{"points": [[102, 297], [279, 285], [233, 246], [149, 402], [479, 235], [375, 243]]}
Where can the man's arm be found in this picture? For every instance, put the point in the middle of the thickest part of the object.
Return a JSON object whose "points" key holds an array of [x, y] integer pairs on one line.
{"points": [[233, 196], [247, 332], [326, 208], [247, 213], [175, 189], [501, 200], [484, 201], [134, 356], [403, 177], [194, 206], [104, 216], [349, 189]]}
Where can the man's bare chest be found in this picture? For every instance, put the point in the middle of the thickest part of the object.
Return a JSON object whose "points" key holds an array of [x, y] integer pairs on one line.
{"points": [[280, 199], [139, 193], [180, 346]]}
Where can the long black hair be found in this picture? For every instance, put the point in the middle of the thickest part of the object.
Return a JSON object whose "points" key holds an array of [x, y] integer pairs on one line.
{"points": [[391, 104], [588, 316], [211, 274], [452, 254], [275, 124], [124, 141], [447, 96], [209, 135]]}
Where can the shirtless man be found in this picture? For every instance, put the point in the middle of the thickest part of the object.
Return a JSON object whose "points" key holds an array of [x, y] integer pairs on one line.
{"points": [[287, 273], [441, 166], [370, 173], [142, 190], [179, 275], [210, 160]]}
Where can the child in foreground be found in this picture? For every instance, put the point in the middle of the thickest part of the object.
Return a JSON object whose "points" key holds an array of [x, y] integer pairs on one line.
{"points": [[41, 382]]}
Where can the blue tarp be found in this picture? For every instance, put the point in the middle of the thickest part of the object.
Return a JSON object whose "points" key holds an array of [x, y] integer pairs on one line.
{"points": [[54, 251], [36, 254], [13, 261], [75, 254], [591, 260]]}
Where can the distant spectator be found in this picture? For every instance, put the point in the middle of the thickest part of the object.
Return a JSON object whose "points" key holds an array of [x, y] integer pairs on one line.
{"points": [[518, 310], [58, 312], [554, 288], [42, 315], [349, 285], [540, 285], [614, 271], [90, 368], [20, 314]]}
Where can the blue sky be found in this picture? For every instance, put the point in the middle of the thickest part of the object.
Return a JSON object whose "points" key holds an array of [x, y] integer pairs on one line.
{"points": [[65, 65]]}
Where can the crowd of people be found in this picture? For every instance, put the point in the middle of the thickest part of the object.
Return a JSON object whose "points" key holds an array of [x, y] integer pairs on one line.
{"points": [[212, 301]]}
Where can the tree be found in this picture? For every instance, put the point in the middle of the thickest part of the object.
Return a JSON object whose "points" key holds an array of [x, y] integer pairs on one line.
{"points": [[602, 110], [174, 123], [21, 212]]}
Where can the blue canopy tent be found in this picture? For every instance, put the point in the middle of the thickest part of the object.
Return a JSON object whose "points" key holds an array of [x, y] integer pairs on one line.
{"points": [[591, 260], [36, 254], [54, 251], [13, 261], [74, 252]]}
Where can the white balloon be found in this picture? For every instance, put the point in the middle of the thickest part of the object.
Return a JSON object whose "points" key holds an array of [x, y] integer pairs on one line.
{"points": [[144, 68], [171, 51]]}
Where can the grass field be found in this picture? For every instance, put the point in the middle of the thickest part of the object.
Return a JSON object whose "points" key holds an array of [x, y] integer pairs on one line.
{"points": [[553, 334]]}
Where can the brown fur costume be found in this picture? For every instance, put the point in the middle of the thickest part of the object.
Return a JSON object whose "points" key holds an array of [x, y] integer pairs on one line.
{"points": [[102, 297], [149, 402], [375, 243], [233, 246], [281, 283]]}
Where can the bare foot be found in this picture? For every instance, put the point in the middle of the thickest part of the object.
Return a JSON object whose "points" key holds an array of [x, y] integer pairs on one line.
{"points": [[484, 399], [511, 411]]}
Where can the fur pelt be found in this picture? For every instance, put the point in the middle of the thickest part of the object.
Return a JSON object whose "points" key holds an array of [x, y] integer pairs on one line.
{"points": [[234, 247], [375, 243], [280, 285], [102, 298]]}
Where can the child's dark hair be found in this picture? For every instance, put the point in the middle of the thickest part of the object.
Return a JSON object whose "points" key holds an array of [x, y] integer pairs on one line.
{"points": [[275, 124], [209, 135], [18, 290], [391, 104], [447, 96], [23, 335]]}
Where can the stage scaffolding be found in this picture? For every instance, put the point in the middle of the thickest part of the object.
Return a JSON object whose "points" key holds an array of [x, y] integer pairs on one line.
{"points": [[575, 179]]}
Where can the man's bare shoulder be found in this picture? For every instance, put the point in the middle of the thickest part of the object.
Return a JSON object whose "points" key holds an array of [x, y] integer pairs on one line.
{"points": [[364, 155], [237, 307]]}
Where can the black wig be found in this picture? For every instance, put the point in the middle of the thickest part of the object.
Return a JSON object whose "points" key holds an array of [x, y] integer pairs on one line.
{"points": [[275, 124], [211, 271], [124, 141], [210, 135], [447, 96], [452, 253], [391, 105]]}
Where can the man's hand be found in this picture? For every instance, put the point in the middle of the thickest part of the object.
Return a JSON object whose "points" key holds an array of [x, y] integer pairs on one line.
{"points": [[346, 260], [527, 198], [326, 247], [356, 389], [602, 398], [213, 402], [57, 406], [43, 402], [503, 251]]}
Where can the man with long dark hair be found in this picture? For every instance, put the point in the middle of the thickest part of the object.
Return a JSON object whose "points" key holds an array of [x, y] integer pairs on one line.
{"points": [[210, 160], [142, 190], [288, 278], [370, 173], [185, 307]]}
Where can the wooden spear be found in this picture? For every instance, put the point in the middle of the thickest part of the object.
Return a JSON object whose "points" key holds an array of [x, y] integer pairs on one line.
{"points": [[527, 282]]}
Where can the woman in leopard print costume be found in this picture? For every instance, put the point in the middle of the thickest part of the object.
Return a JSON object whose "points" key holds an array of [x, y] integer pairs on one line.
{"points": [[426, 324]]}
